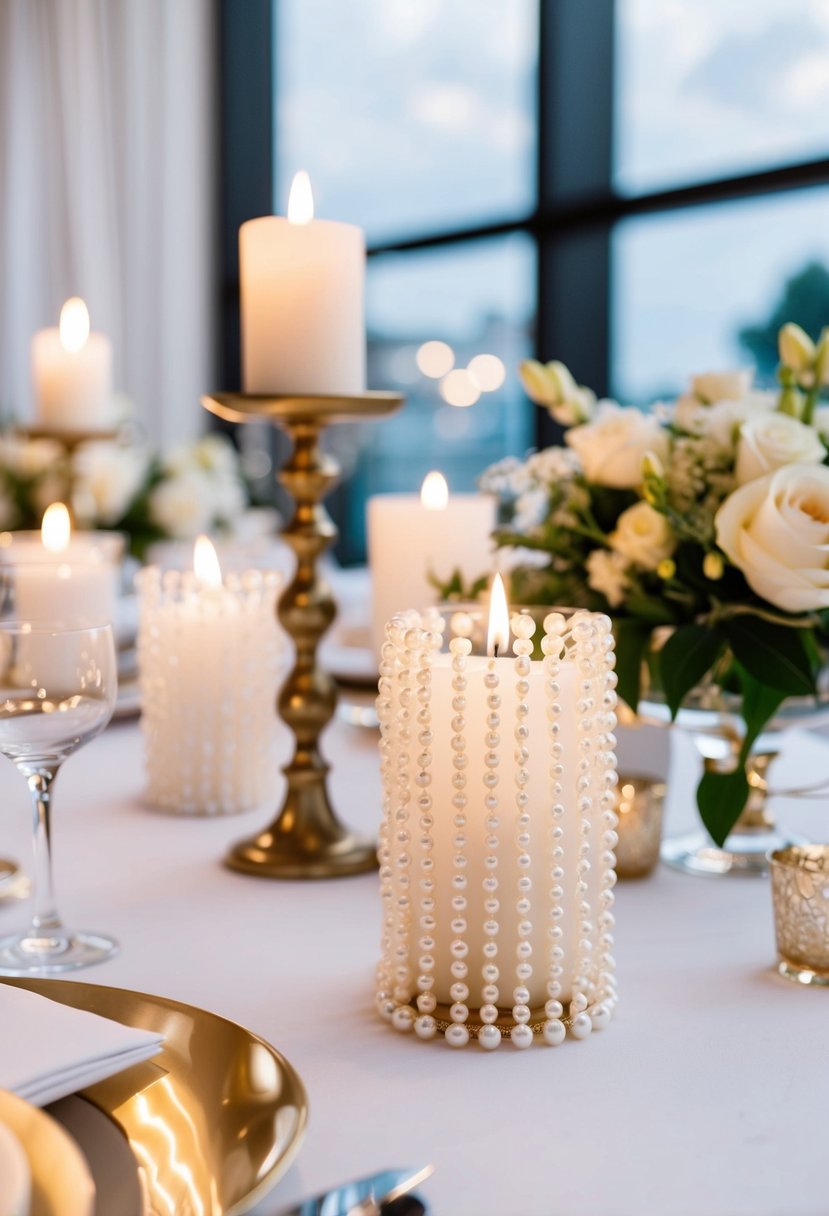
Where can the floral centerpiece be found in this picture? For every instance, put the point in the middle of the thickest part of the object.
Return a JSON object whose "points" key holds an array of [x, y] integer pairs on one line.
{"points": [[701, 527], [124, 486]]}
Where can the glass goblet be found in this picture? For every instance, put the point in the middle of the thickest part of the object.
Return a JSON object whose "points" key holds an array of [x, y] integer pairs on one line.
{"points": [[57, 691]]}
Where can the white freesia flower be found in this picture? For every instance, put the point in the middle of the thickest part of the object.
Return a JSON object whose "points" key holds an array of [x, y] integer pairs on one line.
{"points": [[183, 505], [769, 441], [643, 536], [607, 573], [776, 531], [217, 454], [710, 387], [797, 350], [106, 477], [613, 446], [552, 385]]}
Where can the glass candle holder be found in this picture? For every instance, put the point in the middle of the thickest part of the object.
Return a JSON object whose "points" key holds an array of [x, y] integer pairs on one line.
{"points": [[800, 891], [639, 804], [496, 850]]}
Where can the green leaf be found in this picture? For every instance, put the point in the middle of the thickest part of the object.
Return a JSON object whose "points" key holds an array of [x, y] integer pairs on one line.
{"points": [[775, 655], [687, 656], [650, 608], [721, 798], [632, 640]]}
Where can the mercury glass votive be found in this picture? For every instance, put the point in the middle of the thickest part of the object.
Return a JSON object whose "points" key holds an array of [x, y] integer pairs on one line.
{"points": [[496, 850], [800, 891], [639, 804]]}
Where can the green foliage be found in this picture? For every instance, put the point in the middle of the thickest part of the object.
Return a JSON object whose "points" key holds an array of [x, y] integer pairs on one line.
{"points": [[685, 659]]}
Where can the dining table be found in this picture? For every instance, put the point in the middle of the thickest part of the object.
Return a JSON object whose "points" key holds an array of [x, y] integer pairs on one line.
{"points": [[706, 1094]]}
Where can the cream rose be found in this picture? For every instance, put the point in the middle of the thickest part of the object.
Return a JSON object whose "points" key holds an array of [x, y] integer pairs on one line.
{"points": [[710, 387], [612, 447], [643, 536], [769, 441], [776, 531]]}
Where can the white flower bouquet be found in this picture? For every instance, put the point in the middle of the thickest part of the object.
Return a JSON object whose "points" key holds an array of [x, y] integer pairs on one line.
{"points": [[705, 521], [124, 486]]}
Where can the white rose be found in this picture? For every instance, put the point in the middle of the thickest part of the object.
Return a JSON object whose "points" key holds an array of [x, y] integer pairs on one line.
{"points": [[768, 442], [776, 531], [643, 536], [106, 478], [607, 573], [183, 505], [710, 387], [721, 421], [612, 447]]}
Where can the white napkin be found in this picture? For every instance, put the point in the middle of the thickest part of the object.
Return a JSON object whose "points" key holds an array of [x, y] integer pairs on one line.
{"points": [[48, 1050]]}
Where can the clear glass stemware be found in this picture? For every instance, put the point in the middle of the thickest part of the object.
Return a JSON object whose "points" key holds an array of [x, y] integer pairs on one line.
{"points": [[57, 691]]}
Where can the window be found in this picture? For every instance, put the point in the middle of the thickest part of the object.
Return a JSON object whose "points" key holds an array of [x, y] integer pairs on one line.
{"points": [[635, 187]]}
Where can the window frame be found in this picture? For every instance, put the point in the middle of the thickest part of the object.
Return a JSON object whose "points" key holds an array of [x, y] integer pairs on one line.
{"points": [[577, 207]]}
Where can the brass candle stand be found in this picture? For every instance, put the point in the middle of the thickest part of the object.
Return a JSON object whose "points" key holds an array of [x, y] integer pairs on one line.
{"points": [[306, 840]]}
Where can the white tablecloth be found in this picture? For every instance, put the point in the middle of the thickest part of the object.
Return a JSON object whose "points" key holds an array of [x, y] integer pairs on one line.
{"points": [[706, 1095]]}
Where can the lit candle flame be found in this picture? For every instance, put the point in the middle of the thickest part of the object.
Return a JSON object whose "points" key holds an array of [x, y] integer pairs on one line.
{"points": [[300, 199], [74, 324], [434, 493], [206, 564], [497, 634], [56, 528]]}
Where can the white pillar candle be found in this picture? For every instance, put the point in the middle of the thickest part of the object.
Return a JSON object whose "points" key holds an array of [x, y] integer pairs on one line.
{"points": [[411, 537], [72, 374], [209, 655], [496, 851], [302, 310], [61, 578]]}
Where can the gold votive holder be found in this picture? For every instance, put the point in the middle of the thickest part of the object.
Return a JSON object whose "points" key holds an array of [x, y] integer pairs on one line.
{"points": [[640, 800], [800, 891]]}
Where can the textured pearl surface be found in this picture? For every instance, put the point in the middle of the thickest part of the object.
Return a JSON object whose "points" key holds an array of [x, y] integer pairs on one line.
{"points": [[521, 1036], [489, 1037], [554, 1032], [496, 843]]}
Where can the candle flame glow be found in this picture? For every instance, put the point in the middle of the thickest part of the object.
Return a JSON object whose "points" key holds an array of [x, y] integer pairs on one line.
{"points": [[434, 493], [56, 528], [300, 199], [497, 634], [206, 564], [74, 324]]}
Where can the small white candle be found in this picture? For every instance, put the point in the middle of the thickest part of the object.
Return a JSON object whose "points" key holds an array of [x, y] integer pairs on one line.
{"points": [[411, 537], [209, 654], [70, 582], [72, 374], [302, 310]]}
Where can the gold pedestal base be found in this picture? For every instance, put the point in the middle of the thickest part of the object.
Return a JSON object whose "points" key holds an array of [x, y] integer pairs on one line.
{"points": [[306, 840]]}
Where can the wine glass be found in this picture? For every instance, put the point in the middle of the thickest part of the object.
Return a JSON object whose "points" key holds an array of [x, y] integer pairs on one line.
{"points": [[57, 691]]}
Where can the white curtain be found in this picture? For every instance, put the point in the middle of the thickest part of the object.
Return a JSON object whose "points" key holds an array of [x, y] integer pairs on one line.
{"points": [[107, 121]]}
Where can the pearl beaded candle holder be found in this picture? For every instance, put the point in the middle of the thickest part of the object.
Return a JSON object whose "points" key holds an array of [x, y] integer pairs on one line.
{"points": [[496, 850], [209, 665]]}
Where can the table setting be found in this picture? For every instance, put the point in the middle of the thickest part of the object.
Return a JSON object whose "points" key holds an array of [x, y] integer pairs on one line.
{"points": [[366, 961]]}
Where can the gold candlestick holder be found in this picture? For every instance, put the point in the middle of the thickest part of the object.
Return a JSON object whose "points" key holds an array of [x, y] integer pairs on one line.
{"points": [[306, 840], [69, 439]]}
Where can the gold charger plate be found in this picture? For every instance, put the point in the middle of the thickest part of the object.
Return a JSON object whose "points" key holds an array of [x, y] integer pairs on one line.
{"points": [[213, 1120]]}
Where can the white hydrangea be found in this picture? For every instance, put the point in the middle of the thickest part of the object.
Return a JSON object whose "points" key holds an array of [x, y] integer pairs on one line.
{"points": [[531, 509], [553, 465], [608, 573]]}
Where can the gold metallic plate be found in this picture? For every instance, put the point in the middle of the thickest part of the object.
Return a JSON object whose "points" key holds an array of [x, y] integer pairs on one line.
{"points": [[213, 1120], [242, 407]]}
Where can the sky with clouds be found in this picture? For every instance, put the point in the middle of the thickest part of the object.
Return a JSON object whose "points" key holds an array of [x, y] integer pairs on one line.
{"points": [[415, 114]]}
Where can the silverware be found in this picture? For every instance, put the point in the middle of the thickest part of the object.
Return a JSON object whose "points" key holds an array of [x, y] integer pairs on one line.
{"points": [[364, 1197]]}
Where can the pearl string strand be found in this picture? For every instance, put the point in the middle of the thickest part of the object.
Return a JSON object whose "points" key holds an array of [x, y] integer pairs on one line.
{"points": [[457, 1035], [425, 1025], [521, 1035], [489, 1035], [385, 1001], [552, 645]]}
